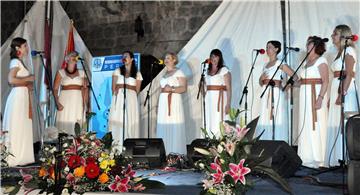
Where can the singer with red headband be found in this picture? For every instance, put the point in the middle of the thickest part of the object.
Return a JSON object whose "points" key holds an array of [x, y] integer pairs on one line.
{"points": [[71, 95], [127, 78], [276, 113], [341, 34], [218, 93], [314, 80], [18, 109], [170, 119]]}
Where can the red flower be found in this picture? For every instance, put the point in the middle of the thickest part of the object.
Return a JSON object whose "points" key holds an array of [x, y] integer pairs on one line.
{"points": [[139, 187], [92, 170], [218, 177], [215, 165], [238, 172], [74, 161], [129, 172], [90, 160], [120, 185]]}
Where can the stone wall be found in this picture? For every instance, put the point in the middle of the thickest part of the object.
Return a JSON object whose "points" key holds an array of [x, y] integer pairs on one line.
{"points": [[108, 27]]}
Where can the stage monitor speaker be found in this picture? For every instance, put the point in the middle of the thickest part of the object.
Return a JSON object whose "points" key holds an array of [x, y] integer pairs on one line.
{"points": [[194, 156], [280, 156], [353, 137], [354, 177], [149, 151]]}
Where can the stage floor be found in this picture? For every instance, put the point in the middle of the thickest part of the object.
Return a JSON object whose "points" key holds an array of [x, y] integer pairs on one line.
{"points": [[188, 182]]}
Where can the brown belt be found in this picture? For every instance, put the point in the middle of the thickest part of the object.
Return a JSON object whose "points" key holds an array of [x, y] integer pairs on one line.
{"points": [[277, 84], [337, 74], [312, 82], [221, 89], [71, 87], [131, 87], [169, 100], [30, 103]]}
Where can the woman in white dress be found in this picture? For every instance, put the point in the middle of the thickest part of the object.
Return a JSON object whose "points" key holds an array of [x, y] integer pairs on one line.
{"points": [[218, 93], [170, 118], [278, 113], [334, 135], [314, 79], [18, 109], [132, 78], [73, 98]]}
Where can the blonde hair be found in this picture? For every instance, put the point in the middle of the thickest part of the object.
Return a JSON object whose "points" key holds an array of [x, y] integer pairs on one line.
{"points": [[174, 56], [344, 30], [71, 54]]}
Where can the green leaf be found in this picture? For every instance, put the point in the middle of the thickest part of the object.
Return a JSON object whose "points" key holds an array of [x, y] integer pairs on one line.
{"points": [[77, 129], [107, 140], [274, 176]]}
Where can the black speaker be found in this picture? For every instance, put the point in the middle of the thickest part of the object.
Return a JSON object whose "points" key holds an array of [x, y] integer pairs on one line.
{"points": [[354, 177], [194, 156], [353, 137], [280, 156], [149, 151]]}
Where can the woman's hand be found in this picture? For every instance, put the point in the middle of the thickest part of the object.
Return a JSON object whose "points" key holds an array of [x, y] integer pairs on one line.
{"points": [[262, 78], [318, 103], [227, 108], [167, 88], [338, 100], [60, 107], [30, 78]]}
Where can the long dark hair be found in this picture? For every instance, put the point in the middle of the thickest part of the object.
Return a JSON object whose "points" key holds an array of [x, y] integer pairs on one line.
{"points": [[133, 70], [16, 42], [320, 46], [218, 53]]}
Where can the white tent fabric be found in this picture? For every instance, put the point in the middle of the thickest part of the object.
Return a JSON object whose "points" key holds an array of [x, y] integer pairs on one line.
{"points": [[318, 18], [32, 29], [236, 28]]}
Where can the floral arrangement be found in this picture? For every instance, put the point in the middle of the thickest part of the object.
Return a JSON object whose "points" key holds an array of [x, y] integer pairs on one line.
{"points": [[86, 164], [228, 161], [4, 151]]}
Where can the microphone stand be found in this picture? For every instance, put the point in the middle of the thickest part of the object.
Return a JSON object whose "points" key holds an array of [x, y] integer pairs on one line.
{"points": [[148, 98], [48, 77], [124, 107], [91, 89], [245, 90], [201, 88], [272, 84]]}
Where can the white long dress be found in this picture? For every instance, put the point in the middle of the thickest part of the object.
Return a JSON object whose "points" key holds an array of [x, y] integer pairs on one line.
{"points": [[19, 138], [215, 116], [72, 101], [334, 135], [132, 114], [171, 123], [311, 145], [280, 113]]}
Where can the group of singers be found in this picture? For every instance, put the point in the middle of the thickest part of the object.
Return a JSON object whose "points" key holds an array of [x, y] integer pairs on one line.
{"points": [[319, 139]]}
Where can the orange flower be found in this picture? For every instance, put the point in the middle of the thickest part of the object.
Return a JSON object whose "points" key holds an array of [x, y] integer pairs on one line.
{"points": [[79, 172], [42, 172], [103, 178]]}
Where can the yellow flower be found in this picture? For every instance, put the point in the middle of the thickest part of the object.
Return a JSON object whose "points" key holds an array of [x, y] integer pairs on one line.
{"points": [[79, 172], [103, 178], [112, 163], [104, 164], [42, 172], [104, 155]]}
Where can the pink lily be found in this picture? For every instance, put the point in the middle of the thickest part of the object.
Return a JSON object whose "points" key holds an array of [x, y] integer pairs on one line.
{"points": [[241, 132], [139, 187], [230, 148], [238, 171], [215, 165], [129, 172], [207, 184], [218, 177], [227, 128], [120, 185]]}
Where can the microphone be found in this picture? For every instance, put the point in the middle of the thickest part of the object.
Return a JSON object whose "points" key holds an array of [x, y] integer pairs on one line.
{"points": [[293, 48], [159, 62], [352, 37], [207, 61], [35, 53], [261, 51], [79, 58]]}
